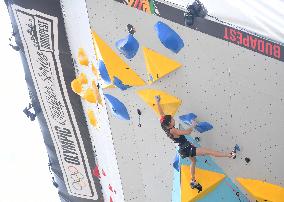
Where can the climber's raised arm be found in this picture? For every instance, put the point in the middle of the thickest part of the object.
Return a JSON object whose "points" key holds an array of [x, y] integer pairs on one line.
{"points": [[158, 99]]}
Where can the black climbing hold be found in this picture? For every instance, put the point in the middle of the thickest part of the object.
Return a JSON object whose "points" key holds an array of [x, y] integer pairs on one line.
{"points": [[197, 139], [238, 194], [247, 159], [131, 29], [138, 111]]}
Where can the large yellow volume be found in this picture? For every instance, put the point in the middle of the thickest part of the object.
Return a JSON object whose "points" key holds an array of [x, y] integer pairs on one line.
{"points": [[209, 181], [158, 65], [116, 67], [169, 103], [262, 191]]}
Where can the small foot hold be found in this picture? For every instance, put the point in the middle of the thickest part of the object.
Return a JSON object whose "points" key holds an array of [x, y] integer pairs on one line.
{"points": [[247, 160], [196, 185]]}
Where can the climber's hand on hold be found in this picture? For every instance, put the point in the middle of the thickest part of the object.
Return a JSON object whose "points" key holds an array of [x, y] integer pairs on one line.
{"points": [[157, 99]]}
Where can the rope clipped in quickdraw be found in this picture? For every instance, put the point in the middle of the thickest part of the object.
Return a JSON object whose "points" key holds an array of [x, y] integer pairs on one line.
{"points": [[139, 120]]}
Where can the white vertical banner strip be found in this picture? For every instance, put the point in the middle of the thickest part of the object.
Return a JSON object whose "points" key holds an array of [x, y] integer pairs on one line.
{"points": [[39, 35]]}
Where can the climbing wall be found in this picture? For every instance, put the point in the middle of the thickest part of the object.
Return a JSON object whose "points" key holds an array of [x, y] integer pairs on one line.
{"points": [[238, 91]]}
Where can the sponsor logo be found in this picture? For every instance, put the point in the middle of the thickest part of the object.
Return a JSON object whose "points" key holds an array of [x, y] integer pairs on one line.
{"points": [[143, 5], [252, 42]]}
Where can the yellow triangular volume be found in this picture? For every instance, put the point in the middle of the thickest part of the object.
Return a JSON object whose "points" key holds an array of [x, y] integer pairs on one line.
{"points": [[158, 65], [115, 65], [169, 103], [262, 191], [208, 179]]}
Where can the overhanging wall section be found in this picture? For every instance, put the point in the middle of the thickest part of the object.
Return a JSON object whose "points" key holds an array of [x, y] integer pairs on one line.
{"points": [[145, 177]]}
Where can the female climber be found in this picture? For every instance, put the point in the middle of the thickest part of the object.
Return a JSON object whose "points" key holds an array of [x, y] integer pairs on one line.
{"points": [[186, 149]]}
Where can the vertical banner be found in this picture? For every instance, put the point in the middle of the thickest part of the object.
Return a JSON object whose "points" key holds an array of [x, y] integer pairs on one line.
{"points": [[39, 35]]}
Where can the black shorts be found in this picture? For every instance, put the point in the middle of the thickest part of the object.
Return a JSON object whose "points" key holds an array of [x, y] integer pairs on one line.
{"points": [[187, 150]]}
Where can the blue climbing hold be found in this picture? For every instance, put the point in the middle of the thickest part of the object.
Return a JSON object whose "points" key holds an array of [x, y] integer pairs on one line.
{"points": [[118, 83], [168, 37], [117, 107], [187, 118], [176, 162], [203, 127], [128, 46], [103, 72], [237, 148]]}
